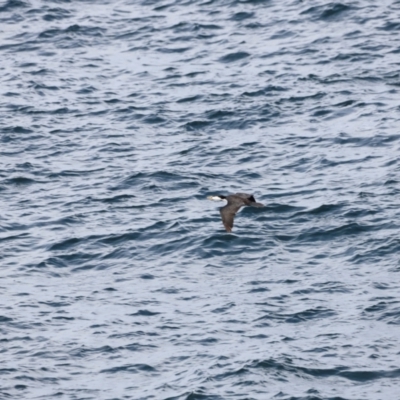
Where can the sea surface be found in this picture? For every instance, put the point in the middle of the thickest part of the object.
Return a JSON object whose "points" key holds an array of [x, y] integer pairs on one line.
{"points": [[117, 278]]}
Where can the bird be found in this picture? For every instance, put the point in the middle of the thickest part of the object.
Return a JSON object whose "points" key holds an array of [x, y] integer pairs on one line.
{"points": [[235, 202]]}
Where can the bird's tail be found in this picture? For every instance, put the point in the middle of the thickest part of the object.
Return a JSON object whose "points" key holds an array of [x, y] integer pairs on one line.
{"points": [[257, 205]]}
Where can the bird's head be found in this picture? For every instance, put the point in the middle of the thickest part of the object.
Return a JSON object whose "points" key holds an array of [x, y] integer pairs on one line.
{"points": [[216, 198]]}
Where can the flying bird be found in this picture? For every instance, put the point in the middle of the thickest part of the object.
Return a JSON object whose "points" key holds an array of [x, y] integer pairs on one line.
{"points": [[235, 202]]}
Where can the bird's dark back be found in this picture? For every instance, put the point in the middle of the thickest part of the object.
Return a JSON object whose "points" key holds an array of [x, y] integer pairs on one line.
{"points": [[241, 199]]}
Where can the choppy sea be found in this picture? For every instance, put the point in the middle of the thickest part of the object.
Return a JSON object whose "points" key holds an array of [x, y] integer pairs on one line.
{"points": [[117, 279]]}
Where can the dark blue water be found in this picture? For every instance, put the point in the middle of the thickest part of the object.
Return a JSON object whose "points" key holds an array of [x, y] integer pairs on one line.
{"points": [[118, 281]]}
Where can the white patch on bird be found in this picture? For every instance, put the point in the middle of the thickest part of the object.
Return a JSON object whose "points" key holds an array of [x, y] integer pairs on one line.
{"points": [[215, 198]]}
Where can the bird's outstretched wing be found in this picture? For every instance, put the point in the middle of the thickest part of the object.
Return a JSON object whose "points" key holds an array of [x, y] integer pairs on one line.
{"points": [[228, 214]]}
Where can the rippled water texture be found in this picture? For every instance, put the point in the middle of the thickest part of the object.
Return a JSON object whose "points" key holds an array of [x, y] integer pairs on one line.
{"points": [[118, 119]]}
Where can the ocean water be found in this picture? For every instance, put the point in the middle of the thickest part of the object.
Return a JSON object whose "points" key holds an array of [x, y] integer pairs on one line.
{"points": [[117, 279]]}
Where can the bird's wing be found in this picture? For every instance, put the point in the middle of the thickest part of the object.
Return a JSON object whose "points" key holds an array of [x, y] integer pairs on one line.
{"points": [[228, 214]]}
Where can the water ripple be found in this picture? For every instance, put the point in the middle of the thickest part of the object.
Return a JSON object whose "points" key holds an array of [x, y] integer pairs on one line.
{"points": [[118, 278]]}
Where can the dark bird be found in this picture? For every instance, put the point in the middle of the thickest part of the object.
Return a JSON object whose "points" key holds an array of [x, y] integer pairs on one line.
{"points": [[235, 202]]}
